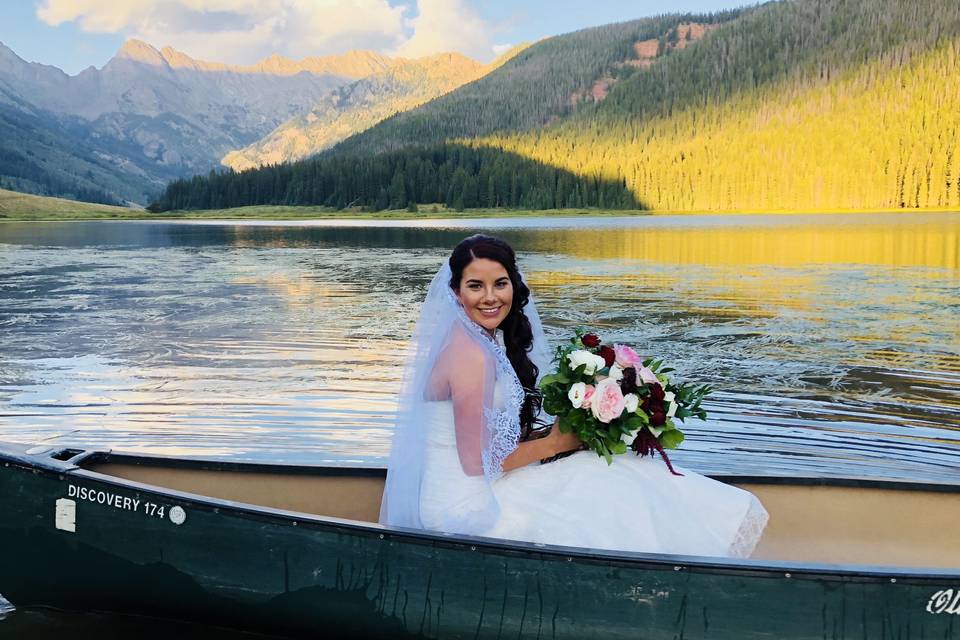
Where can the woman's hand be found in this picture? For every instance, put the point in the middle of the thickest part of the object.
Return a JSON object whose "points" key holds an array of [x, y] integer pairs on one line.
{"points": [[543, 448], [562, 442]]}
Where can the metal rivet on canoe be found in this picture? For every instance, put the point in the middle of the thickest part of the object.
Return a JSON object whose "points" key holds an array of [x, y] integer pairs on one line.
{"points": [[786, 575], [473, 548], [294, 523], [677, 568], [893, 579], [381, 536]]}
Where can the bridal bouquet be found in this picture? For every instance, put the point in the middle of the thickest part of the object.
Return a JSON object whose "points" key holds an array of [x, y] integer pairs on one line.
{"points": [[615, 400]]}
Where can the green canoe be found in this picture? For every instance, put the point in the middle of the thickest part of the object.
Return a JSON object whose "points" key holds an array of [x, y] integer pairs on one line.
{"points": [[296, 551]]}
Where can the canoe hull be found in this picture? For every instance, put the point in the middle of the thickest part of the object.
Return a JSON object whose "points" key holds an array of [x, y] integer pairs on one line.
{"points": [[255, 569]]}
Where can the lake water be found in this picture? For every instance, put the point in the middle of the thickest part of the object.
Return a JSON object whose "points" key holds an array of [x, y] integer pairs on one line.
{"points": [[833, 340]]}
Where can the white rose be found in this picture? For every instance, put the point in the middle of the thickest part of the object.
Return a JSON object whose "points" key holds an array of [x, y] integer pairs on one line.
{"points": [[581, 357], [576, 394], [630, 402], [668, 397], [616, 373]]}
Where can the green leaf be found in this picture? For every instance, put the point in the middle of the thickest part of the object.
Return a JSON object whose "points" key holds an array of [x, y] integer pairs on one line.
{"points": [[671, 439], [549, 379]]}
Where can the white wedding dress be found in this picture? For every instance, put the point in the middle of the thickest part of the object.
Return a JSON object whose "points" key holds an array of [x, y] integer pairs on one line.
{"points": [[635, 504]]}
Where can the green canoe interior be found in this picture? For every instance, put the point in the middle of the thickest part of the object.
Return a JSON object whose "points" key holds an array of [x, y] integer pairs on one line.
{"points": [[808, 523]]}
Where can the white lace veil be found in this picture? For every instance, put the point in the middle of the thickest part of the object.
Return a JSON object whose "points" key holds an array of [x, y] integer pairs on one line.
{"points": [[474, 373]]}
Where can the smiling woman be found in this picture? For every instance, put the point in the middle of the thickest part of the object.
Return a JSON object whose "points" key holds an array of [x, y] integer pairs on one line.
{"points": [[486, 293]]}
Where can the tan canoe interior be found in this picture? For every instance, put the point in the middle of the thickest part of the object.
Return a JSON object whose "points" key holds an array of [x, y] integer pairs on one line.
{"points": [[837, 525]]}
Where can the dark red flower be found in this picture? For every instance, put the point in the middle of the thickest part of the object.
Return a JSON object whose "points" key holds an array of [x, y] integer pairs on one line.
{"points": [[608, 354], [590, 340], [656, 392], [648, 404], [629, 382], [658, 418]]}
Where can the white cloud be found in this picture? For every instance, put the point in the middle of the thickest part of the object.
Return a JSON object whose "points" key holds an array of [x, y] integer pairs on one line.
{"points": [[447, 25], [94, 16], [245, 31]]}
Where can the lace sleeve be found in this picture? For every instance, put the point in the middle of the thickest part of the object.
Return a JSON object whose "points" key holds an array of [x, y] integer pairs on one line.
{"points": [[486, 399], [505, 434]]}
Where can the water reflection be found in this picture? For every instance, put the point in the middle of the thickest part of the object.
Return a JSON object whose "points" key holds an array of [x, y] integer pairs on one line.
{"points": [[833, 340]]}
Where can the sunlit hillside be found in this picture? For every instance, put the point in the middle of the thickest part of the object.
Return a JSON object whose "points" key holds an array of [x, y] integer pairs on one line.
{"points": [[875, 137], [864, 116]]}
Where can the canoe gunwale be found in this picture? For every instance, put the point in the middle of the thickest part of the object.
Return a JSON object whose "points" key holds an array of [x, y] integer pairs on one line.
{"points": [[64, 469], [107, 456]]}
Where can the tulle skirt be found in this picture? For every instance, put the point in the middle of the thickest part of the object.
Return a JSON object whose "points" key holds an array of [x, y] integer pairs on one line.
{"points": [[634, 504]]}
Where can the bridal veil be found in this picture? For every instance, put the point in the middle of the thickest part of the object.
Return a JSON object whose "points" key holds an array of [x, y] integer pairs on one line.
{"points": [[454, 359]]}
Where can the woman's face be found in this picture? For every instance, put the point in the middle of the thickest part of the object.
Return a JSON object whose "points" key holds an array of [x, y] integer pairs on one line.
{"points": [[486, 292]]}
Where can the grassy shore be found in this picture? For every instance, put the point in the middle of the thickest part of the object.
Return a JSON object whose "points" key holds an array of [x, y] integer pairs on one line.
{"points": [[18, 207], [23, 207]]}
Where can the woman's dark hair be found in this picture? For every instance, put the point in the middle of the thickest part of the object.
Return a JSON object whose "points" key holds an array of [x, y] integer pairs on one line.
{"points": [[517, 334]]}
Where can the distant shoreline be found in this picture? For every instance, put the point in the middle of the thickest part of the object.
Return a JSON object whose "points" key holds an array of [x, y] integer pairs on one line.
{"points": [[91, 212]]}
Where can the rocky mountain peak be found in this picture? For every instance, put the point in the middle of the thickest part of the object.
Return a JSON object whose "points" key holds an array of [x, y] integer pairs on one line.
{"points": [[140, 51]]}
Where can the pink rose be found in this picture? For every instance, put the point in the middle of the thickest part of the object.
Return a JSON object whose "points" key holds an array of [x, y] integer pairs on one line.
{"points": [[587, 396], [646, 376], [627, 357], [607, 403]]}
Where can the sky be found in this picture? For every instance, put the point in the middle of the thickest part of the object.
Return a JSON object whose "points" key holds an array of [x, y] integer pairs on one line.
{"points": [[75, 34]]}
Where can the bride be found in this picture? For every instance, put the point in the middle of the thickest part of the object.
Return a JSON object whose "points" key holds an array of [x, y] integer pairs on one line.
{"points": [[465, 451]]}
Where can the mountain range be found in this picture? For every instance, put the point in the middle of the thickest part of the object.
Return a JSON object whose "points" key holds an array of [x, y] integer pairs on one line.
{"points": [[120, 133], [402, 85], [788, 105]]}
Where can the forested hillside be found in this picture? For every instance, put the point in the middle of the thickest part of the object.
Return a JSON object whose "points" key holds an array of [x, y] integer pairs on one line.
{"points": [[800, 104], [461, 177], [542, 83], [35, 157], [809, 104]]}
